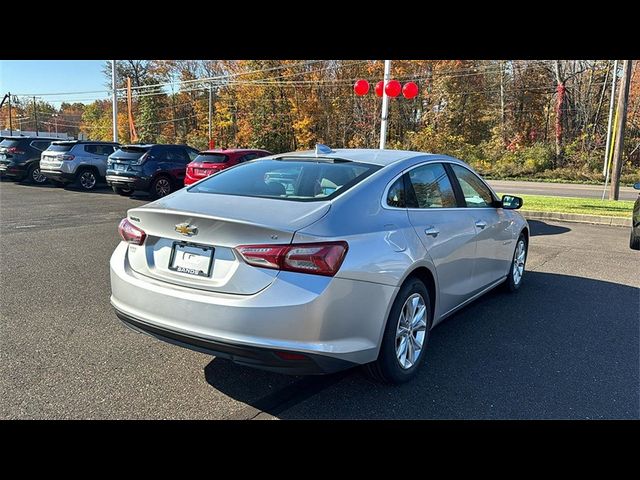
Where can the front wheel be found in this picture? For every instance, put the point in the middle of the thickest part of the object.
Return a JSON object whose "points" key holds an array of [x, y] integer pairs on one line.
{"points": [[516, 272], [406, 334]]}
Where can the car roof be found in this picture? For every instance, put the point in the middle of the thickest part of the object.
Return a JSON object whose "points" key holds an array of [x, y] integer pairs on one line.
{"points": [[84, 142], [233, 150], [28, 137], [149, 145], [362, 155]]}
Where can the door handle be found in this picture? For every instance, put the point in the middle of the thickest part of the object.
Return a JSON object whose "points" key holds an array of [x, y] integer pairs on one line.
{"points": [[481, 224], [433, 231]]}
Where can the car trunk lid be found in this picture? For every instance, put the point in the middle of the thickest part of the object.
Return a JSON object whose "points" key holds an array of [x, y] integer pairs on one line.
{"points": [[221, 223]]}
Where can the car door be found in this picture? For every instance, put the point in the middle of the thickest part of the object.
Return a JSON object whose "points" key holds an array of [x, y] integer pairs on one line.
{"points": [[91, 155], [179, 161], [446, 230], [493, 227]]}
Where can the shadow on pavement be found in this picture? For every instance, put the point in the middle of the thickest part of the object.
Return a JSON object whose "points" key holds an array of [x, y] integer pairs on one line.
{"points": [[542, 228], [561, 347]]}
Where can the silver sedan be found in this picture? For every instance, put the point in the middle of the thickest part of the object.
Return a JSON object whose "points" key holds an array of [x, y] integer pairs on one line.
{"points": [[312, 262]]}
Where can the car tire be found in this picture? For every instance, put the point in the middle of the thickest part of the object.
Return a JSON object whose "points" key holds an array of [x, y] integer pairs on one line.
{"points": [[634, 240], [161, 187], [34, 176], [125, 192], [518, 262], [87, 179], [390, 367]]}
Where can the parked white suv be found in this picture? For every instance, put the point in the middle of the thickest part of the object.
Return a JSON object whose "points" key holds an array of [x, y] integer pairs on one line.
{"points": [[80, 162]]}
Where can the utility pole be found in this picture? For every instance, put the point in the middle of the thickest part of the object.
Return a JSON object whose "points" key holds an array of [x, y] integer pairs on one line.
{"points": [[502, 129], [10, 121], [623, 101], [35, 112], [210, 115], [613, 94], [114, 101], [385, 104]]}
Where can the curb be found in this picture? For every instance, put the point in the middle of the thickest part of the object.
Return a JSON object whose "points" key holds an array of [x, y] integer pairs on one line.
{"points": [[578, 217]]}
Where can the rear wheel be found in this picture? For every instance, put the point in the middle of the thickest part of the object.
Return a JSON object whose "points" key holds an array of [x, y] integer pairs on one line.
{"points": [[516, 272], [161, 187], [87, 179], [35, 176], [403, 346], [124, 191]]}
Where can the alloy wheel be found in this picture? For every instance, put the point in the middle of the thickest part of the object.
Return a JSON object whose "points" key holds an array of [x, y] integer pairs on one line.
{"points": [[163, 187], [411, 331], [518, 262], [88, 180], [38, 177]]}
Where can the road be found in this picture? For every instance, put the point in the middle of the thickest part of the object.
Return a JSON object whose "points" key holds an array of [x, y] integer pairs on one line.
{"points": [[564, 346], [559, 189]]}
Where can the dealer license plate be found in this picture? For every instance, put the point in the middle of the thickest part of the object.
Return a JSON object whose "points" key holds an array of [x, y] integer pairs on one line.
{"points": [[191, 259]]}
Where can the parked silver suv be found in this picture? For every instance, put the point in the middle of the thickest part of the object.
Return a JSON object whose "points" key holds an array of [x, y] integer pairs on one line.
{"points": [[82, 162]]}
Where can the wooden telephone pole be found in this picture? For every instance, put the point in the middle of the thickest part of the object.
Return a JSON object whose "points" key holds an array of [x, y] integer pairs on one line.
{"points": [[623, 101]]}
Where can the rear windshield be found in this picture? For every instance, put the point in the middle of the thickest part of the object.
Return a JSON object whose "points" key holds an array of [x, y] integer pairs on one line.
{"points": [[302, 181], [211, 158], [129, 153], [9, 143], [60, 147]]}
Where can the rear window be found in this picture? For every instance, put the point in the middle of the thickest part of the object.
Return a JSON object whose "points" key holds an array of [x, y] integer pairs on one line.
{"points": [[302, 181], [9, 143], [129, 153], [211, 158], [60, 147]]}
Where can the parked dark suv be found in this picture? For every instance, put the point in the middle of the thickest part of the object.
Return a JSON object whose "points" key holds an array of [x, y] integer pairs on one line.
{"points": [[157, 169], [20, 157]]}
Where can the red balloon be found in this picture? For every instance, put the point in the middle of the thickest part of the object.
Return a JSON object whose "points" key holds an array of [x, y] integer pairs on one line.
{"points": [[410, 90], [379, 88], [361, 87], [393, 88]]}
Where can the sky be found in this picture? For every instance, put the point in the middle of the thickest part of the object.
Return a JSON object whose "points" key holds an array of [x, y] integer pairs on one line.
{"points": [[31, 77]]}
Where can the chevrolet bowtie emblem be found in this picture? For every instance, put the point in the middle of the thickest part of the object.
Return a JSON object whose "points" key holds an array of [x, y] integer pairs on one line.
{"points": [[186, 229]]}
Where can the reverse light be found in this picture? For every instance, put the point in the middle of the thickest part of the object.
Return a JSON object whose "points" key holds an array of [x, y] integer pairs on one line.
{"points": [[316, 258], [130, 233]]}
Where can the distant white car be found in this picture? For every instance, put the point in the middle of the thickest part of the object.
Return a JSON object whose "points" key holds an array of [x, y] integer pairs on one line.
{"points": [[312, 262]]}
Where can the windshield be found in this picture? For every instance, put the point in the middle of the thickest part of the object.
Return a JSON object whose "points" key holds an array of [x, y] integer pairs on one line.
{"points": [[288, 180], [60, 147], [211, 158]]}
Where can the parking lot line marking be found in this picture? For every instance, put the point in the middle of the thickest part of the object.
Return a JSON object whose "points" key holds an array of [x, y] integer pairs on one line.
{"points": [[26, 226]]}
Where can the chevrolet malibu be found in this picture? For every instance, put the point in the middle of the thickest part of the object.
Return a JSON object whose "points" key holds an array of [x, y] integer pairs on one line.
{"points": [[313, 262]]}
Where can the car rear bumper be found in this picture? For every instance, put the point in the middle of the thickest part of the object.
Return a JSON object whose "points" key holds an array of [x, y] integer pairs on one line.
{"points": [[12, 170], [58, 176], [335, 323], [137, 183]]}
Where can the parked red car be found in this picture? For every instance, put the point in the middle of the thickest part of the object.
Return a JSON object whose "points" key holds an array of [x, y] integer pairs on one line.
{"points": [[209, 162]]}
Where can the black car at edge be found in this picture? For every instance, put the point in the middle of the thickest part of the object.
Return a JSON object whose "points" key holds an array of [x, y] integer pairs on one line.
{"points": [[20, 157], [155, 168]]}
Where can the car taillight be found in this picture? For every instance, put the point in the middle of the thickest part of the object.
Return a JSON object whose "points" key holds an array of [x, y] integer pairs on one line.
{"points": [[130, 233], [317, 258], [15, 151], [68, 157]]}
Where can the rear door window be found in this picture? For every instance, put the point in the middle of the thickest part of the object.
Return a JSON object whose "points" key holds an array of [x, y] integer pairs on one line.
{"points": [[431, 187]]}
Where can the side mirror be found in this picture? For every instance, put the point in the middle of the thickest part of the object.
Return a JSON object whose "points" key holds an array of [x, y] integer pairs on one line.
{"points": [[511, 202], [636, 185]]}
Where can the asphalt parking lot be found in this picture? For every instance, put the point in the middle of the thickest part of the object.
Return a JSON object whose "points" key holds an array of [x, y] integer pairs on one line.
{"points": [[565, 346]]}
